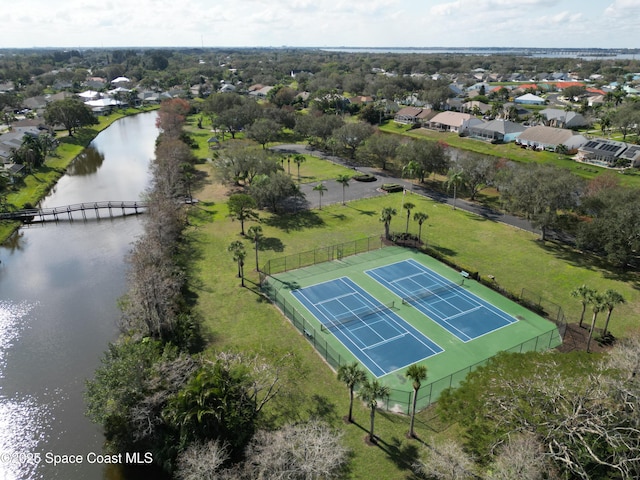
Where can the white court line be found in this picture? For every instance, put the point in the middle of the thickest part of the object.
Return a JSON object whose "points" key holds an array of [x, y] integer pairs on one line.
{"points": [[368, 347], [462, 313]]}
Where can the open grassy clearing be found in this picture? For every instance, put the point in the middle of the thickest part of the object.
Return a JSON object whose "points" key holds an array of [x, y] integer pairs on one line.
{"points": [[238, 318]]}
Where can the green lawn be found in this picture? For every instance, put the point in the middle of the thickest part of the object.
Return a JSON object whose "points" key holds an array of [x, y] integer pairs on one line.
{"points": [[242, 319]]}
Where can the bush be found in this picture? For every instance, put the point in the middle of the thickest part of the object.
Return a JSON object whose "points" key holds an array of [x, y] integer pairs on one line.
{"points": [[364, 177], [392, 187]]}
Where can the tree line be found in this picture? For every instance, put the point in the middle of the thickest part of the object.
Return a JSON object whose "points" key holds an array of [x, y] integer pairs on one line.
{"points": [[201, 416]]}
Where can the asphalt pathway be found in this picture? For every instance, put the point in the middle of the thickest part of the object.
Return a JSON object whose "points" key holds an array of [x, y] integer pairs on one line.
{"points": [[358, 190]]}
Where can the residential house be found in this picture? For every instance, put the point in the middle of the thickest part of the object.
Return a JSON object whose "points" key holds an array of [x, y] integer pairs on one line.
{"points": [[413, 100], [593, 100], [121, 82], [456, 89], [13, 170], [601, 152], [227, 88], [95, 83], [529, 99], [361, 100], [89, 95], [6, 87], [632, 155], [542, 137], [497, 131], [474, 105], [261, 92], [451, 121], [11, 141], [103, 105], [35, 104], [562, 119], [413, 115], [454, 104]]}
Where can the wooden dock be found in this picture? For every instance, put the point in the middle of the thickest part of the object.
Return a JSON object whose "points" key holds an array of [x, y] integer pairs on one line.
{"points": [[117, 208]]}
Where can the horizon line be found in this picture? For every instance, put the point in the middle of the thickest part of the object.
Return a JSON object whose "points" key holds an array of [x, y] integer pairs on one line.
{"points": [[271, 47]]}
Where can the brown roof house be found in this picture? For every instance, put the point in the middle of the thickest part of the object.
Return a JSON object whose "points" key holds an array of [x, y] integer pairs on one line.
{"points": [[413, 115], [452, 121]]}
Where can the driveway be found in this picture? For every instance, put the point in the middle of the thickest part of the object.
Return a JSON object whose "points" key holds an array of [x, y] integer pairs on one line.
{"points": [[357, 190]]}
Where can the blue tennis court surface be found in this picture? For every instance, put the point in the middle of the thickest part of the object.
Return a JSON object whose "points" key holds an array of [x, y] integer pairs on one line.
{"points": [[450, 305], [381, 340]]}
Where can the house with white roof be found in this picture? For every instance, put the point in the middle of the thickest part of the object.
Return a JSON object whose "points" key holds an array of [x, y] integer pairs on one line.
{"points": [[530, 99], [542, 137]]}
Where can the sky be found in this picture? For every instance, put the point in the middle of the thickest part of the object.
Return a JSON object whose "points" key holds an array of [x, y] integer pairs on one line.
{"points": [[320, 23]]}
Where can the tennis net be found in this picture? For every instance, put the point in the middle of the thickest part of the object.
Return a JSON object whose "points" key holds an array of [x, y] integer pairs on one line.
{"points": [[356, 317], [428, 293]]}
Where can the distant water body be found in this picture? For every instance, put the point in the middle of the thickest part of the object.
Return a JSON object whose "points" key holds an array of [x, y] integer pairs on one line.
{"points": [[586, 53]]}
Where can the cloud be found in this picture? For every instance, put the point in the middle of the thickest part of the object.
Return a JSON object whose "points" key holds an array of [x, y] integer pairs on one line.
{"points": [[623, 8], [320, 22]]}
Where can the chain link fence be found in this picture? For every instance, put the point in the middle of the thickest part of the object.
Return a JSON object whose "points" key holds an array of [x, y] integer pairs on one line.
{"points": [[399, 400]]}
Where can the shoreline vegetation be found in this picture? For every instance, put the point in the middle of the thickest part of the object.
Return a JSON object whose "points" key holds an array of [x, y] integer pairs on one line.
{"points": [[38, 185]]}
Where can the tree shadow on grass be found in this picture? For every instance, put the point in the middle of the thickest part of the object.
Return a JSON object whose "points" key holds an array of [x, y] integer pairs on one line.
{"points": [[444, 251], [296, 221], [202, 212], [589, 261], [369, 213], [402, 453], [321, 407], [271, 243]]}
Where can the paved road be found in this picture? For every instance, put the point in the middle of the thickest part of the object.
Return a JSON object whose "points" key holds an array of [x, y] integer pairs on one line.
{"points": [[357, 190]]}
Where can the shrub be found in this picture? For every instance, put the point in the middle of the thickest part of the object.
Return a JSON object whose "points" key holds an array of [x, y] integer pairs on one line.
{"points": [[364, 177], [392, 187]]}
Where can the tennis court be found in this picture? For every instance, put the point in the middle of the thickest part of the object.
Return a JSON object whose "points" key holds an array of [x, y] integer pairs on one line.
{"points": [[380, 339], [448, 304]]}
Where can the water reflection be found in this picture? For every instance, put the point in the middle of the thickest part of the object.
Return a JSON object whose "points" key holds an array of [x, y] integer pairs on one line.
{"points": [[23, 421], [11, 323], [88, 162], [59, 284]]}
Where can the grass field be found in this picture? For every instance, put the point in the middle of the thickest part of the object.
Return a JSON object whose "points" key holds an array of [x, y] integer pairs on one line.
{"points": [[242, 319]]}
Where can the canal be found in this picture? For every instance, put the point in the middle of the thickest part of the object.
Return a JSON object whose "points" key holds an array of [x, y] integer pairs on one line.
{"points": [[59, 286]]}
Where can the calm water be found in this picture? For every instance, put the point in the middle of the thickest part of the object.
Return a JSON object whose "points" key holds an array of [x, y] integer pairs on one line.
{"points": [[585, 54], [59, 284]]}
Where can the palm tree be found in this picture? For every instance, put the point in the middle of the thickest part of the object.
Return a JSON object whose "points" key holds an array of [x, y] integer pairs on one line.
{"points": [[370, 392], [298, 159], [454, 179], [352, 375], [420, 217], [242, 207], [385, 216], [320, 188], [239, 254], [408, 206], [611, 298], [344, 181], [412, 170], [255, 234], [583, 293], [596, 300], [417, 373]]}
